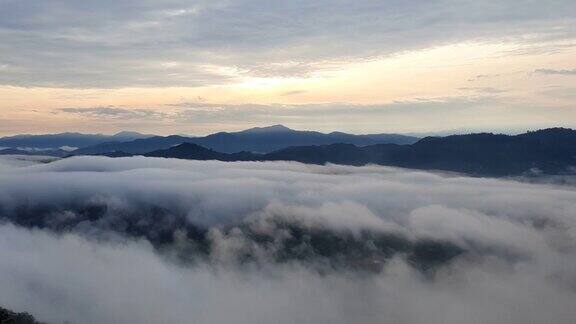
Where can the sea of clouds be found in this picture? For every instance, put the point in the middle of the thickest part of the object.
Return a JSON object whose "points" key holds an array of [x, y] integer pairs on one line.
{"points": [[146, 240]]}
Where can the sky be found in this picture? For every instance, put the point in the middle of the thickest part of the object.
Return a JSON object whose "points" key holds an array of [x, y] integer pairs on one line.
{"points": [[363, 66]]}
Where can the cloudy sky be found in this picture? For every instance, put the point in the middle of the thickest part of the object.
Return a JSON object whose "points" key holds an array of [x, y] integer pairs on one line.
{"points": [[195, 67]]}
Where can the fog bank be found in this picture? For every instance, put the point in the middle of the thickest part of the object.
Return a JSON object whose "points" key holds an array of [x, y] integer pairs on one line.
{"points": [[144, 240]]}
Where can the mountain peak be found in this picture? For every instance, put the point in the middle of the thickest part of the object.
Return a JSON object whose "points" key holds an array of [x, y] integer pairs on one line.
{"points": [[126, 134], [268, 129], [130, 135]]}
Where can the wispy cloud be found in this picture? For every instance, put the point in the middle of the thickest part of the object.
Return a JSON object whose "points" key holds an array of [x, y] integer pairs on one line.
{"points": [[476, 108], [114, 112], [556, 72], [294, 92], [485, 90]]}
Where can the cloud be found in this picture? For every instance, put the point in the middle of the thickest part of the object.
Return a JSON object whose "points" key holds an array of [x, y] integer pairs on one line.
{"points": [[145, 240], [481, 77], [293, 92], [559, 92], [184, 43], [212, 112], [501, 110], [114, 112], [403, 116], [485, 90], [396, 116], [556, 72]]}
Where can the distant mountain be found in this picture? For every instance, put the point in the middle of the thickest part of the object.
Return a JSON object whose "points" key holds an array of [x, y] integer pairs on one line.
{"points": [[257, 140], [55, 153], [192, 151], [54, 141], [267, 130], [269, 139], [549, 151], [347, 154], [139, 146]]}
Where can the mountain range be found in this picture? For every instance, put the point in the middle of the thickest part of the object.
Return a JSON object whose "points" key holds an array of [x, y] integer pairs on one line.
{"points": [[42, 152], [71, 140], [256, 140], [548, 151]]}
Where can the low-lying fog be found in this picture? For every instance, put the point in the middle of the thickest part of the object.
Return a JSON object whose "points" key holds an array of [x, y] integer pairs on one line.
{"points": [[145, 240]]}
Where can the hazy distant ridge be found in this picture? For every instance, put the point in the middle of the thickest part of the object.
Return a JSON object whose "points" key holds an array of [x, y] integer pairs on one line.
{"points": [[257, 140]]}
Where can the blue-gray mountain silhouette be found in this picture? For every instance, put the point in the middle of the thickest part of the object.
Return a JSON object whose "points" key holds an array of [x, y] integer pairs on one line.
{"points": [[256, 140], [48, 152], [548, 151], [55, 141]]}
